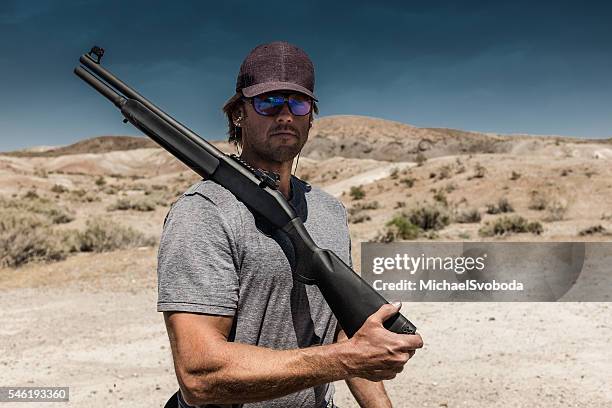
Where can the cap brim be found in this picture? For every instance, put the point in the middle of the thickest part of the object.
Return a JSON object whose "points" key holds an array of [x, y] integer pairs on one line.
{"points": [[259, 89]]}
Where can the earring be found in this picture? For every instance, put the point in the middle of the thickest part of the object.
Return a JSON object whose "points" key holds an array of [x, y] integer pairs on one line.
{"points": [[237, 121]]}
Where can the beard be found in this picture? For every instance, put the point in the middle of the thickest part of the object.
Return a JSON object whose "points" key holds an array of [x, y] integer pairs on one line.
{"points": [[279, 148]]}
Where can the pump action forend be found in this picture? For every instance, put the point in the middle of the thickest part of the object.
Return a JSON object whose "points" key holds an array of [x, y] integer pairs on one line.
{"points": [[350, 298]]}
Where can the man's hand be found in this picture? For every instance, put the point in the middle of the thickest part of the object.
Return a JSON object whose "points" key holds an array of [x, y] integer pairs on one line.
{"points": [[377, 353]]}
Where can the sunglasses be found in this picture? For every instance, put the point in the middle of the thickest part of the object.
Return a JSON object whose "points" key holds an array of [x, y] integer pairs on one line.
{"points": [[272, 104]]}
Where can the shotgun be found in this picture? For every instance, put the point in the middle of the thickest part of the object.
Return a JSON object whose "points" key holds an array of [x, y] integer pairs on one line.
{"points": [[350, 298]]}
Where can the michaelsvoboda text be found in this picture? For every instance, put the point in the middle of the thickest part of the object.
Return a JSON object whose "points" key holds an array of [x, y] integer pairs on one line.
{"points": [[444, 285]]}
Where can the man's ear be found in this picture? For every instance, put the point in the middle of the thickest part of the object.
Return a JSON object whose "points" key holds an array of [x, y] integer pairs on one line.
{"points": [[238, 116]]}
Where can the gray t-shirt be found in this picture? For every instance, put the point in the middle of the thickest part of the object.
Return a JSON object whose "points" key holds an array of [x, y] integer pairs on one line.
{"points": [[215, 258]]}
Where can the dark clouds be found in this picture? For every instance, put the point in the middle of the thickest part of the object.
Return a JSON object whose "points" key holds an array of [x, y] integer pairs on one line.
{"points": [[492, 66]]}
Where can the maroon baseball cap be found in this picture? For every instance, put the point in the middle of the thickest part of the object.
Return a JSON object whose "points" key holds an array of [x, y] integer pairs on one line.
{"points": [[276, 66]]}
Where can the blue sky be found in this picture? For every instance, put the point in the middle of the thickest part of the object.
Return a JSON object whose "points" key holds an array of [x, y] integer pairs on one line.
{"points": [[507, 67]]}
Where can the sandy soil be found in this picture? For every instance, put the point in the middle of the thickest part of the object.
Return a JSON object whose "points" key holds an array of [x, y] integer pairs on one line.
{"points": [[90, 323]]}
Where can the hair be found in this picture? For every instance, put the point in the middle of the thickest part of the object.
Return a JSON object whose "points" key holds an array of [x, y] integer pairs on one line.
{"points": [[231, 107]]}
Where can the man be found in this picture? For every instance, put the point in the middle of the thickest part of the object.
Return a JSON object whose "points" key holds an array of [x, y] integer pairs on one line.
{"points": [[242, 331]]}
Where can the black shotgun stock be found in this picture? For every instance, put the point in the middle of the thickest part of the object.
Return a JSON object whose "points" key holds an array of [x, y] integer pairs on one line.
{"points": [[350, 298]]}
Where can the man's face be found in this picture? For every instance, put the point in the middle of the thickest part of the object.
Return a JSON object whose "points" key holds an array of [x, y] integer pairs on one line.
{"points": [[277, 138]]}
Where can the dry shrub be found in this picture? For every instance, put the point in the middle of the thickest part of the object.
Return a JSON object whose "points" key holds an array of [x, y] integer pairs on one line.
{"points": [[503, 206], [100, 181], [428, 216], [357, 192], [471, 215], [356, 215], [46, 208], [102, 235], [420, 159], [509, 225], [592, 230], [444, 172], [408, 181], [440, 197], [556, 210], [358, 218], [537, 200], [27, 237], [123, 204], [82, 196], [399, 227], [422, 220], [367, 205], [59, 189]]}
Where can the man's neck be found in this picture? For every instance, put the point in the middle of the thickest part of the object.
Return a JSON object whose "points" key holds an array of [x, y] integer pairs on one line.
{"points": [[282, 169]]}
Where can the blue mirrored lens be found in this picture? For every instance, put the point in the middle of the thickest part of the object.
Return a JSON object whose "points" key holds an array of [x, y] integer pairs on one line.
{"points": [[273, 104]]}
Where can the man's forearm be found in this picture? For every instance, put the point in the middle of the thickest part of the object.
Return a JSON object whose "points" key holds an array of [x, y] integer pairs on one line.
{"points": [[240, 373], [369, 394]]}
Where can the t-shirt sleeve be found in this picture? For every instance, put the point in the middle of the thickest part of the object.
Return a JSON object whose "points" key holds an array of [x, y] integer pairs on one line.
{"points": [[196, 265]]}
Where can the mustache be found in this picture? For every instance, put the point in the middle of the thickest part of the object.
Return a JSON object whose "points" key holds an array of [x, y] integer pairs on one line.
{"points": [[285, 128]]}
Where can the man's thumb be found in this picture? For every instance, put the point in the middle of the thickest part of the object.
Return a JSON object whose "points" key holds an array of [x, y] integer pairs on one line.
{"points": [[386, 311]]}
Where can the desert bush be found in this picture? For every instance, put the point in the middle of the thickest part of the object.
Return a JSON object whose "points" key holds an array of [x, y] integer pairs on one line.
{"points": [[52, 212], [502, 206], [31, 194], [358, 218], [59, 189], [144, 205], [400, 204], [440, 197], [408, 181], [399, 227], [124, 204], [428, 216], [420, 159], [444, 172], [450, 187], [27, 237], [556, 210], [592, 230], [479, 171], [471, 215], [357, 192], [39, 172], [100, 181], [515, 176], [121, 204], [394, 173], [537, 200], [509, 225], [82, 196], [102, 235], [367, 205]]}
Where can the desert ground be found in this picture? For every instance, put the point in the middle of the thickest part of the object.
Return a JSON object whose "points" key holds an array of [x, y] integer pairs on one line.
{"points": [[80, 226]]}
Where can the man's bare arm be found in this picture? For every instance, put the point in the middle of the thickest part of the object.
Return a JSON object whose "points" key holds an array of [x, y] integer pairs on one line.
{"points": [[212, 370], [368, 394]]}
